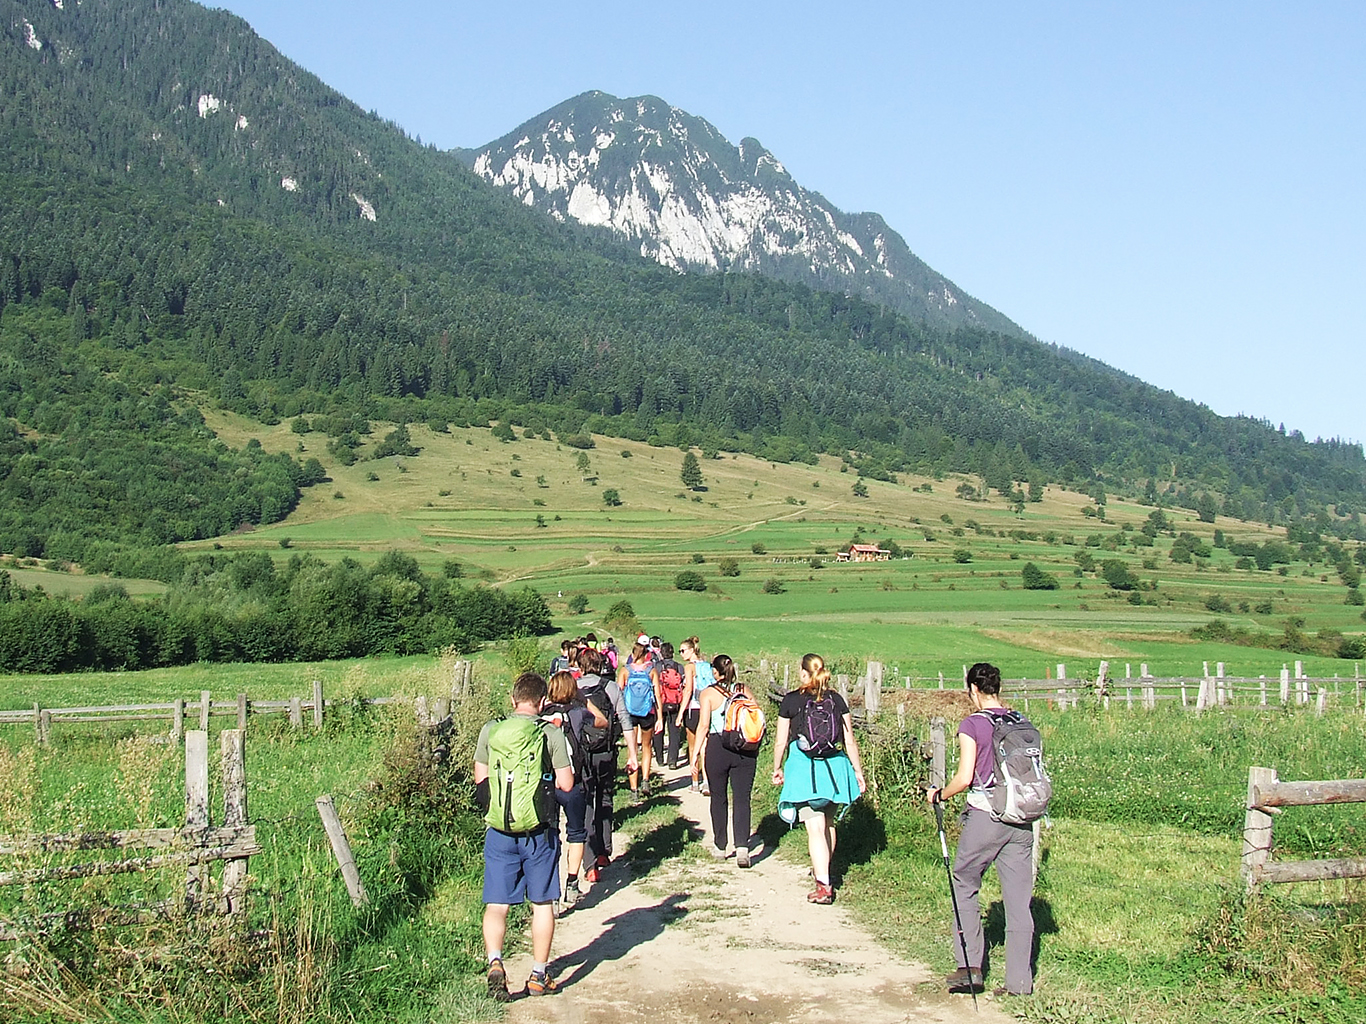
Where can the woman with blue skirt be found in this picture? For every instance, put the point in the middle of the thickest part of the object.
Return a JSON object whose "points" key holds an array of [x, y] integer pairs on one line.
{"points": [[823, 774]]}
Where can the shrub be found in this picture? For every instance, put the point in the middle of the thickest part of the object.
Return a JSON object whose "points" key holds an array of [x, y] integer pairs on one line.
{"points": [[962, 555], [1035, 578], [1117, 574], [729, 567], [611, 498], [578, 604], [1218, 604], [772, 585], [689, 580], [758, 548], [697, 559]]}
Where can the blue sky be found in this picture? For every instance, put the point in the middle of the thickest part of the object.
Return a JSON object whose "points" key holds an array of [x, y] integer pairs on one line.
{"points": [[1177, 189]]}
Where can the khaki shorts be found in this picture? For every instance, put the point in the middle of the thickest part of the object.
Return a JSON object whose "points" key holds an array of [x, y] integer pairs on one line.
{"points": [[805, 812]]}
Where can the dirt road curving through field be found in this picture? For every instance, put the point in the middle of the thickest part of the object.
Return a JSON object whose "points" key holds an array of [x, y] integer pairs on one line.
{"points": [[669, 934]]}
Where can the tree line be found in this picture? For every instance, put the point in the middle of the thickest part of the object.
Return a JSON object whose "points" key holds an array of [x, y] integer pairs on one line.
{"points": [[242, 607]]}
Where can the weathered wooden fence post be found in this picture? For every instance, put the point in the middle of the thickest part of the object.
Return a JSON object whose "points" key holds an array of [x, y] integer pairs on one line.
{"points": [[1256, 828], [1262, 683], [234, 743], [341, 849], [205, 709], [1285, 684], [420, 711], [178, 720], [1322, 702], [1223, 690], [872, 693], [242, 711], [196, 809], [1103, 684], [840, 681], [296, 713], [318, 703], [441, 709]]}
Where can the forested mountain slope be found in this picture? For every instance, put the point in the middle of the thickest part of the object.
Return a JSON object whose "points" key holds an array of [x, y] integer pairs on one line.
{"points": [[189, 217]]}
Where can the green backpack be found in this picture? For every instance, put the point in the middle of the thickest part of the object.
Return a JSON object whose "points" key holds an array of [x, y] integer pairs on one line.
{"points": [[519, 781]]}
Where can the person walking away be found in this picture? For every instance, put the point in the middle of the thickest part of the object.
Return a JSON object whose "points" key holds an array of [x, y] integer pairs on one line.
{"points": [[671, 687], [984, 842], [824, 771], [698, 676], [726, 769], [601, 690], [639, 684], [518, 764], [568, 711]]}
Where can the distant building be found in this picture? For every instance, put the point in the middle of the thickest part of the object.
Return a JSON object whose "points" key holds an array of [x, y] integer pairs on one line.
{"points": [[864, 553]]}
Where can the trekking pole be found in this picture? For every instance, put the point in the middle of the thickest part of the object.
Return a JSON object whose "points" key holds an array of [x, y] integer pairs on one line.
{"points": [[953, 898]]}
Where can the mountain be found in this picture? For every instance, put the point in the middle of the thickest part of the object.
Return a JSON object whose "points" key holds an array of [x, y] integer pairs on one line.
{"points": [[671, 183], [191, 220]]}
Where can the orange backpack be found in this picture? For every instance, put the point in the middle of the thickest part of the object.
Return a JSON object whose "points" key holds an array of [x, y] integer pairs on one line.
{"points": [[743, 723]]}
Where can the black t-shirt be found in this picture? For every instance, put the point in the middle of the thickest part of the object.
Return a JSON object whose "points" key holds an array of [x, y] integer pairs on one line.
{"points": [[794, 702]]}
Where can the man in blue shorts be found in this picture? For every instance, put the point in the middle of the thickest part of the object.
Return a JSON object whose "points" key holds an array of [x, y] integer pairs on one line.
{"points": [[522, 859]]}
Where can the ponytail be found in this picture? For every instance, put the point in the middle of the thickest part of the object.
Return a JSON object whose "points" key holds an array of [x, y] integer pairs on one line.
{"points": [[814, 665]]}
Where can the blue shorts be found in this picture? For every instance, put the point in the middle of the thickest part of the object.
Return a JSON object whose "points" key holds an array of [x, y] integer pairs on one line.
{"points": [[575, 804], [522, 867]]}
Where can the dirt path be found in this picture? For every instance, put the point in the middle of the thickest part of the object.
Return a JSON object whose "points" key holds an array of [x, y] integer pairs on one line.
{"points": [[668, 934]]}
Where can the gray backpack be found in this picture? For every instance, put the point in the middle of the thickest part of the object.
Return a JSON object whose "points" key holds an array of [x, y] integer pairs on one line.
{"points": [[1020, 789]]}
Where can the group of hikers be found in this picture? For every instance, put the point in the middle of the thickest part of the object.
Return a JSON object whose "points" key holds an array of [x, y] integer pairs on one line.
{"points": [[558, 752]]}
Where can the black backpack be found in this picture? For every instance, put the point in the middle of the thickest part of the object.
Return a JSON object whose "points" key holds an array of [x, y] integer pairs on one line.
{"points": [[598, 739], [819, 727], [558, 715]]}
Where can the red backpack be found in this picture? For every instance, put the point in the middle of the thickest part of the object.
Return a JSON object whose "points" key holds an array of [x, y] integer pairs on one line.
{"points": [[671, 683]]}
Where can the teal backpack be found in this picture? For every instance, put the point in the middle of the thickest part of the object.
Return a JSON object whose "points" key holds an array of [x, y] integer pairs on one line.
{"points": [[520, 781]]}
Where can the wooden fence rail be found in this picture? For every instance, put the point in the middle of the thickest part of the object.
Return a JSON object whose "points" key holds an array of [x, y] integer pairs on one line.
{"points": [[194, 846], [1267, 795]]}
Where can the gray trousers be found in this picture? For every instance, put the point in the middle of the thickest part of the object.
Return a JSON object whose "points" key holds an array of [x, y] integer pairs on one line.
{"points": [[1011, 848]]}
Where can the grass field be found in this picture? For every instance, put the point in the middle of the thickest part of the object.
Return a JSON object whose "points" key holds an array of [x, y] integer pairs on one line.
{"points": [[926, 613]]}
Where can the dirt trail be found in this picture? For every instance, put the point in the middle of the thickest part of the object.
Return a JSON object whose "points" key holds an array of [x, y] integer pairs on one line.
{"points": [[667, 935]]}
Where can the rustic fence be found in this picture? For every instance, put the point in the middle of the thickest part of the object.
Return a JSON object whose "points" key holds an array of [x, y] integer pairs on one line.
{"points": [[195, 846], [1267, 796], [1212, 689], [178, 712]]}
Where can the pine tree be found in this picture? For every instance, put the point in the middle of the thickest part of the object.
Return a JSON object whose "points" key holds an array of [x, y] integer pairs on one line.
{"points": [[692, 472]]}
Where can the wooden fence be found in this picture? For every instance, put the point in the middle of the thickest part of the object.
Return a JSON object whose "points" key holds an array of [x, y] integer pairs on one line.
{"points": [[195, 846], [1266, 796], [1212, 689]]}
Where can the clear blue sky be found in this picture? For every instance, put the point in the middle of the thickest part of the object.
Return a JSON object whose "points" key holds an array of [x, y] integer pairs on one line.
{"points": [[1177, 189]]}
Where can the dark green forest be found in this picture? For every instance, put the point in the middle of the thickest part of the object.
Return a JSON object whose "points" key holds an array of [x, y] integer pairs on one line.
{"points": [[184, 223], [242, 608]]}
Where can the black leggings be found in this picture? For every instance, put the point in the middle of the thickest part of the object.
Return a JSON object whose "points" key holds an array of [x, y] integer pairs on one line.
{"points": [[727, 767]]}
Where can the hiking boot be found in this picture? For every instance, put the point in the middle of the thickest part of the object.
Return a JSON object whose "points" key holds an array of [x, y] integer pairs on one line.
{"points": [[1000, 991], [964, 980], [645, 790], [542, 985], [742, 856], [824, 894], [498, 982], [572, 893]]}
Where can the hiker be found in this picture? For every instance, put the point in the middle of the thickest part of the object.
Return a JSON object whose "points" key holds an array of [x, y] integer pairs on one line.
{"points": [[518, 763], [985, 841], [697, 676], [599, 689], [570, 712], [824, 772], [726, 767], [672, 680], [639, 684]]}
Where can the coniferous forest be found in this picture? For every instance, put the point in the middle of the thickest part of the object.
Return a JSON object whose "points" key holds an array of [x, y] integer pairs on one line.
{"points": [[191, 220]]}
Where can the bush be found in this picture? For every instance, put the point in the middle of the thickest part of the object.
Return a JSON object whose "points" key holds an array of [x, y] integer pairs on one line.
{"points": [[697, 559], [689, 580], [1354, 597], [611, 498], [729, 567], [772, 585], [1218, 604], [1117, 574], [758, 548], [962, 555], [578, 604], [1036, 579]]}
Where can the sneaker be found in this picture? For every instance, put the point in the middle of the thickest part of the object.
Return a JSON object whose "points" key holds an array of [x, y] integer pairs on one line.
{"points": [[717, 852], [964, 980], [823, 894], [542, 985], [591, 875], [498, 982], [602, 861], [742, 856], [695, 787], [645, 791], [706, 790], [572, 893]]}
